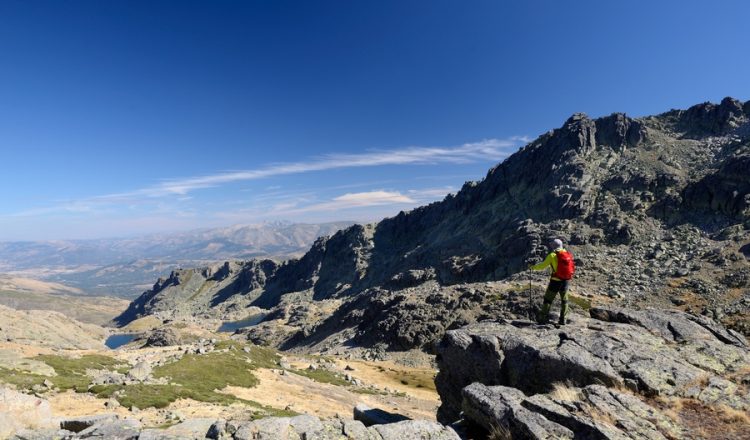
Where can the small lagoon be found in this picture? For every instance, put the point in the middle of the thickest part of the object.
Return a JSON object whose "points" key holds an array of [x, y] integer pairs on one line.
{"points": [[118, 340], [231, 326]]}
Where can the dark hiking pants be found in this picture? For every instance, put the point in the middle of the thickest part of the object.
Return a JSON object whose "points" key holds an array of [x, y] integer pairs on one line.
{"points": [[553, 289]]}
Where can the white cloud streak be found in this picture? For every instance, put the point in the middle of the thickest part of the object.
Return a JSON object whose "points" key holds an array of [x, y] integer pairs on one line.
{"points": [[360, 201], [345, 201], [485, 150], [490, 149]]}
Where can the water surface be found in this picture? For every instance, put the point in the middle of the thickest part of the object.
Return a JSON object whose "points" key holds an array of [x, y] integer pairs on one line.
{"points": [[250, 321], [117, 341]]}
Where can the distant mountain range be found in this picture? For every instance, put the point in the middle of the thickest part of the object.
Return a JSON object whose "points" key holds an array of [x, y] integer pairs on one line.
{"points": [[126, 266]]}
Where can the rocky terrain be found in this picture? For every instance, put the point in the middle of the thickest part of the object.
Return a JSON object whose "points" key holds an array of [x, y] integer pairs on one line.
{"points": [[352, 333], [655, 209], [619, 374], [186, 386]]}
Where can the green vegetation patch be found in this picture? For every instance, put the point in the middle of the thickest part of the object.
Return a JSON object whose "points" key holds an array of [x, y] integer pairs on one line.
{"points": [[21, 379], [581, 302], [259, 357], [323, 376], [369, 391], [210, 371], [71, 372], [199, 377], [418, 380], [68, 365], [139, 395]]}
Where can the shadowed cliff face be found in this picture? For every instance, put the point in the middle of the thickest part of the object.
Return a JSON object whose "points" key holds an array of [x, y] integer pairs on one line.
{"points": [[595, 182]]}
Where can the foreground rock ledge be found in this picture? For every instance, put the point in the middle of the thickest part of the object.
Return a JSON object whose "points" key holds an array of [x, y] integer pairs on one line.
{"points": [[302, 427], [596, 375]]}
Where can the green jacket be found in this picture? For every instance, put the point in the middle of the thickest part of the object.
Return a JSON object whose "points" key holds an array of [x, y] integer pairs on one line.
{"points": [[550, 261]]}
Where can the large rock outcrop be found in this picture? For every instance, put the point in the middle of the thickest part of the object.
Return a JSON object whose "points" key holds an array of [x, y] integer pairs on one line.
{"points": [[597, 377], [20, 411]]}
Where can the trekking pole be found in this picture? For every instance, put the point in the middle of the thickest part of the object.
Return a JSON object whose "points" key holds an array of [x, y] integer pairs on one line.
{"points": [[531, 306]]}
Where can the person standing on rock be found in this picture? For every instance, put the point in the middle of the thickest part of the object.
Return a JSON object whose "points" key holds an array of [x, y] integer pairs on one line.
{"points": [[563, 267]]}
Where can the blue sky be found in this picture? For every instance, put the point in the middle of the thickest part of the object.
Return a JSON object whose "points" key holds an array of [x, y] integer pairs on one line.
{"points": [[120, 118]]}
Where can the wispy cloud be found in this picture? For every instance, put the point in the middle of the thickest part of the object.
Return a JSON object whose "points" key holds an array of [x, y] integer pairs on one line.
{"points": [[371, 198], [180, 189], [431, 193], [343, 202], [489, 149]]}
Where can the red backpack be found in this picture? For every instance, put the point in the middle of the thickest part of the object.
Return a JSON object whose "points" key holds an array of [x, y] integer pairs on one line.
{"points": [[566, 267]]}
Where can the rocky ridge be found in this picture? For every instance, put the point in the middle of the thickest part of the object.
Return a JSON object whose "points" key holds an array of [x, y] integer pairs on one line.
{"points": [[613, 375], [657, 210]]}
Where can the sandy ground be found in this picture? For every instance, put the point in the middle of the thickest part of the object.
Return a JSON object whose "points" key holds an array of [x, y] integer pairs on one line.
{"points": [[304, 395], [24, 350], [70, 404], [370, 373]]}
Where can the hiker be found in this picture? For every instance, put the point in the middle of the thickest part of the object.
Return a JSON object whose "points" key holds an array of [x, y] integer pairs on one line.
{"points": [[563, 267]]}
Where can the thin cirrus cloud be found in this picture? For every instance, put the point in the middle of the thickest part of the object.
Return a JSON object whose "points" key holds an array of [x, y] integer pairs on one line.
{"points": [[367, 199], [489, 149], [485, 150], [356, 200]]}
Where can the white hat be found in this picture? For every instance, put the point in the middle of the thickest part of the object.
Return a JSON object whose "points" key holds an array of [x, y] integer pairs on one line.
{"points": [[556, 243]]}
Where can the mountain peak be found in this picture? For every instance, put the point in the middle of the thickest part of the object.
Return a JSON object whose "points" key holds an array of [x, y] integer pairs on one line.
{"points": [[708, 118]]}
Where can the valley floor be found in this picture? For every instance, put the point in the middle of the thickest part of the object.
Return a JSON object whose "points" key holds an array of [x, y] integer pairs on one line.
{"points": [[276, 385]]}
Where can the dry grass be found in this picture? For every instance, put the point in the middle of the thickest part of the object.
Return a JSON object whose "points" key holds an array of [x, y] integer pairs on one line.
{"points": [[715, 422], [732, 416], [737, 374], [565, 392], [598, 415], [675, 283], [499, 432], [707, 422], [700, 381], [670, 406]]}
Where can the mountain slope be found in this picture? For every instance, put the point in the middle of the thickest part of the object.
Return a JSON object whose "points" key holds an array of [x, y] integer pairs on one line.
{"points": [[46, 328], [28, 294], [654, 208]]}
